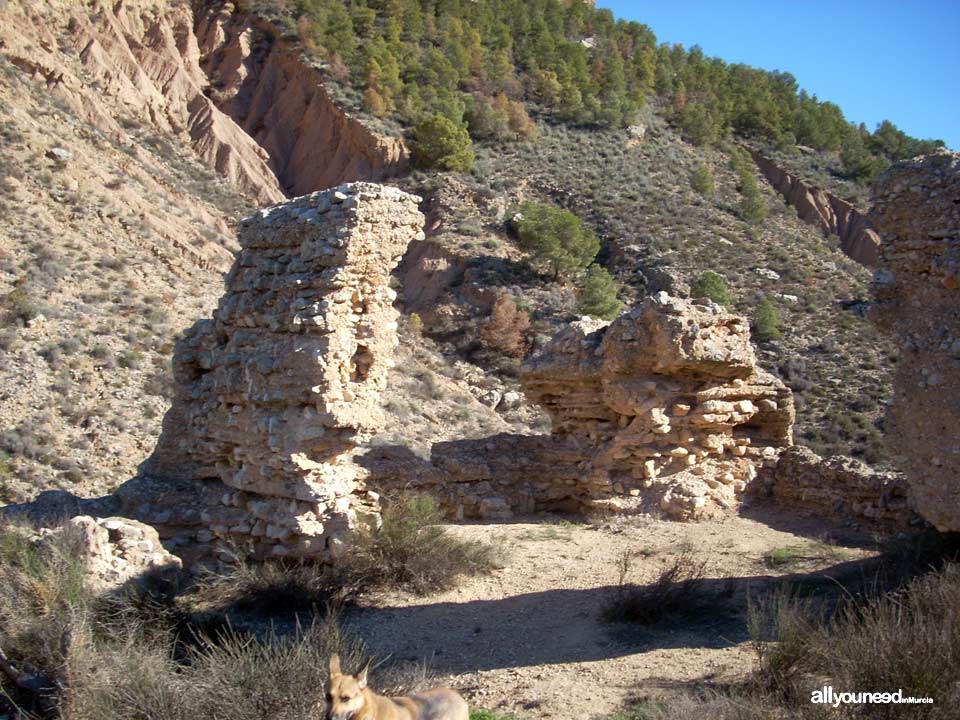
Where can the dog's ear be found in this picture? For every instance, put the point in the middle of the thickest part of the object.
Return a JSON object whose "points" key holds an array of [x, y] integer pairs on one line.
{"points": [[334, 665], [362, 677]]}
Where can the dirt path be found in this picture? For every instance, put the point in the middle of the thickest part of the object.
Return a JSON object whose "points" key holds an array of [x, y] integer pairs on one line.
{"points": [[529, 639]]}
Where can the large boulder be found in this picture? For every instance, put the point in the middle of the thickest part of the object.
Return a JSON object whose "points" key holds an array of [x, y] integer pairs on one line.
{"points": [[842, 488]]}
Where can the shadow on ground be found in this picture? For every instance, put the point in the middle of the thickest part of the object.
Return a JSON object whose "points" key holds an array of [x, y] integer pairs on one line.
{"points": [[565, 625]]}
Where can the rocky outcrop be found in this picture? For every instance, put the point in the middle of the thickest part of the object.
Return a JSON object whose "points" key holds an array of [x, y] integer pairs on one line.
{"points": [[831, 214], [138, 64], [665, 405], [115, 552], [917, 300], [842, 488], [261, 82], [282, 383]]}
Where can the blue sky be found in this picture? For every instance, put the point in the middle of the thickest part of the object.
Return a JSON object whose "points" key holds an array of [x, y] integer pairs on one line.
{"points": [[884, 59]]}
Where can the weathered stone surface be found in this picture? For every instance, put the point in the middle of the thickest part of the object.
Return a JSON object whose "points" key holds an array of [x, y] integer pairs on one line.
{"points": [[284, 381], [842, 488], [115, 551], [917, 300], [665, 404], [491, 478], [671, 397], [833, 215]]}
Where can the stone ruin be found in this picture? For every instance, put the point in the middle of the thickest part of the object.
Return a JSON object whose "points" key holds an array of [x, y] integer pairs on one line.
{"points": [[664, 407], [917, 301], [842, 489], [277, 389], [258, 455]]}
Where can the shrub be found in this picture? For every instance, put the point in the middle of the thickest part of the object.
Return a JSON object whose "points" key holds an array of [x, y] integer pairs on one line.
{"points": [[598, 297], [556, 238], [128, 655], [678, 590], [753, 206], [766, 321], [507, 329], [130, 359], [441, 143], [270, 587], [416, 324], [22, 307], [412, 551], [713, 286], [701, 180]]}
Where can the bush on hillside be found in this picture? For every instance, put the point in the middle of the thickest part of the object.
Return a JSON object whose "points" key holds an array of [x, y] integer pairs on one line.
{"points": [[701, 180], [507, 329], [598, 297], [753, 206], [713, 286], [442, 144], [766, 321]]}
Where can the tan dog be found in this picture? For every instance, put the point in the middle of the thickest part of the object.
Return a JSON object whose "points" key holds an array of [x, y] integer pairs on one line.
{"points": [[349, 698]]}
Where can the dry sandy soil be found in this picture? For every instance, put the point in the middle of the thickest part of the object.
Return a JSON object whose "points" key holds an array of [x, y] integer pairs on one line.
{"points": [[530, 640]]}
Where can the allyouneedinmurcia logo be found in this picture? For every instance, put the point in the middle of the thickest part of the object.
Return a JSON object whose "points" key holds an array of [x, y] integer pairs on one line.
{"points": [[828, 696]]}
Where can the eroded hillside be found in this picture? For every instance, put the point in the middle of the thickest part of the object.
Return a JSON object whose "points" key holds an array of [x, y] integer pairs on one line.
{"points": [[115, 121], [657, 233]]}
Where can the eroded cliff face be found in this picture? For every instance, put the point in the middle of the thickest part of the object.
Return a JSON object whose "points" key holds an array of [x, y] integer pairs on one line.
{"points": [[831, 214], [283, 382], [917, 300], [135, 61], [261, 82]]}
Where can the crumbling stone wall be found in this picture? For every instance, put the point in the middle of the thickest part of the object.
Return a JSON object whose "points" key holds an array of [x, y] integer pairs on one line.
{"points": [[842, 488], [665, 405], [917, 300], [277, 389]]}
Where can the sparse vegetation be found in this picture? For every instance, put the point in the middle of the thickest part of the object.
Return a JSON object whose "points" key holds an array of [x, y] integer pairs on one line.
{"points": [[137, 655], [701, 180], [411, 550], [781, 556], [677, 591]]}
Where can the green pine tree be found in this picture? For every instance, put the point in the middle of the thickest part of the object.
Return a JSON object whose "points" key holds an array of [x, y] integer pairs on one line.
{"points": [[556, 238], [713, 286], [766, 321], [598, 297]]}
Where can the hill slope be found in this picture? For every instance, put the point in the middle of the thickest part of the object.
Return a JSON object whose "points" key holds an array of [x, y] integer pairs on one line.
{"points": [[117, 230]]}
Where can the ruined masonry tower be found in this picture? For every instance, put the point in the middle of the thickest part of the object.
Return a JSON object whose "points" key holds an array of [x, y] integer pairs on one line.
{"points": [[277, 389]]}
